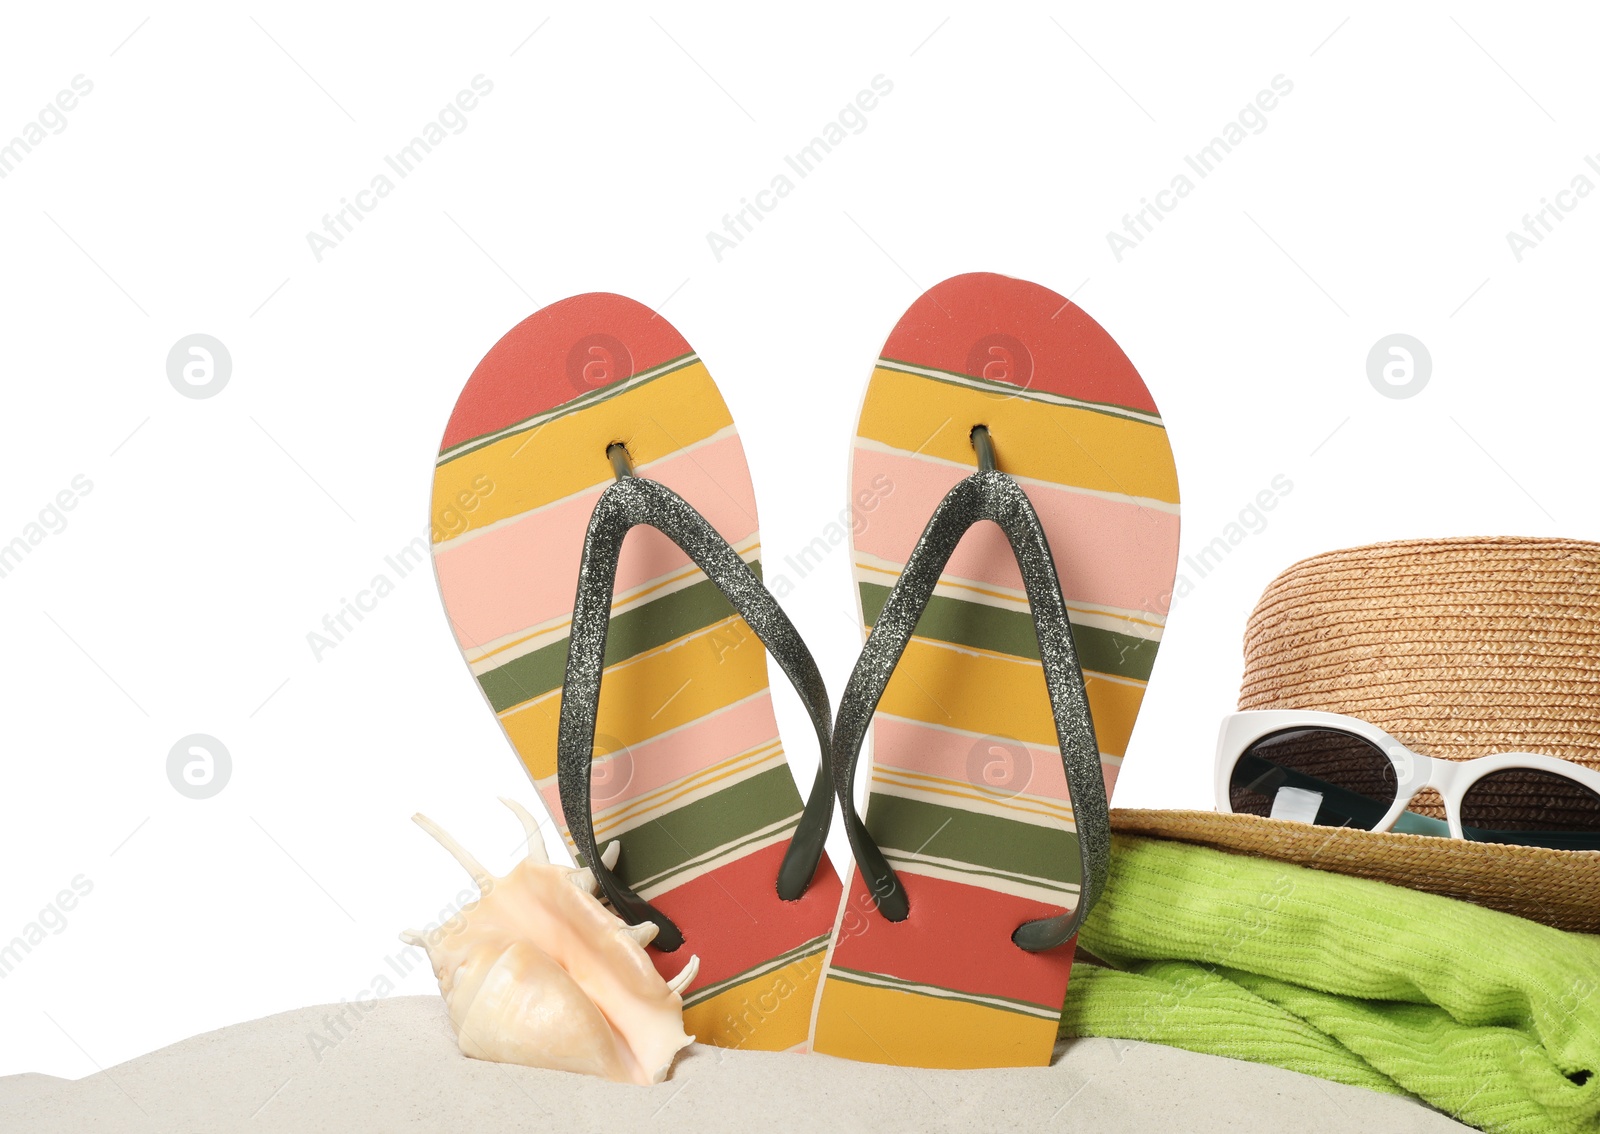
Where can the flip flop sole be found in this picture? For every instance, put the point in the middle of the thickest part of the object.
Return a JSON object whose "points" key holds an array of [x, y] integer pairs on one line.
{"points": [[968, 797], [688, 770]]}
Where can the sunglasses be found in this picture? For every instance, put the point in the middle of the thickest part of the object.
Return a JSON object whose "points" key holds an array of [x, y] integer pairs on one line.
{"points": [[1337, 771]]}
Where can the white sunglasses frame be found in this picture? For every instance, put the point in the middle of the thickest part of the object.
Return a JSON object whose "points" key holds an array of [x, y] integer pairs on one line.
{"points": [[1413, 770]]}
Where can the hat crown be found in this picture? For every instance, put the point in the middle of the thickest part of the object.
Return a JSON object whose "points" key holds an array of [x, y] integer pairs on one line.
{"points": [[1456, 647]]}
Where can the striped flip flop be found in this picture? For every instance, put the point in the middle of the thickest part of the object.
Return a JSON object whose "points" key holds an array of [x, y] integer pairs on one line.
{"points": [[1006, 663], [590, 454]]}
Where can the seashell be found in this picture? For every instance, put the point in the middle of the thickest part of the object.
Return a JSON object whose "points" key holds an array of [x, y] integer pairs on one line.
{"points": [[538, 972]]}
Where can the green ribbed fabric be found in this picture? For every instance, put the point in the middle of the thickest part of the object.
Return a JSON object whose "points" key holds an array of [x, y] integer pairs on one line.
{"points": [[1491, 1018]]}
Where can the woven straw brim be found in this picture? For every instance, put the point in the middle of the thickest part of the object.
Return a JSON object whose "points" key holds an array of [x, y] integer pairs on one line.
{"points": [[1557, 888]]}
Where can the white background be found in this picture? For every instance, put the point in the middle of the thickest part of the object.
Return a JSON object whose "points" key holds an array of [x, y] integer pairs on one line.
{"points": [[219, 532]]}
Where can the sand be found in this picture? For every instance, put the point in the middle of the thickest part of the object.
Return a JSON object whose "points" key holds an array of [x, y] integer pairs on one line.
{"points": [[399, 1070]]}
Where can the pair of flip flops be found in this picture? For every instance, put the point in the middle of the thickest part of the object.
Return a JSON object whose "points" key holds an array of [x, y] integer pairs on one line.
{"points": [[591, 454]]}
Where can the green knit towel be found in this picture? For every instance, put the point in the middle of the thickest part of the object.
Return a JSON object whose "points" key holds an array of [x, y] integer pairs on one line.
{"points": [[1491, 1018]]}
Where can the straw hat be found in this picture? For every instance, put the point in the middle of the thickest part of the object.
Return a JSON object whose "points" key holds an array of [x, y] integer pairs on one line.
{"points": [[1457, 648]]}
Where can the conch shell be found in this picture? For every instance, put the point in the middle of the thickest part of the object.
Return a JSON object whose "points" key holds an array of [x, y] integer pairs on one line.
{"points": [[538, 972]]}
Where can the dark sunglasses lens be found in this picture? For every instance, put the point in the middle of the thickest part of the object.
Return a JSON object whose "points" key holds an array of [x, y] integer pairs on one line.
{"points": [[1533, 808], [1314, 775]]}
